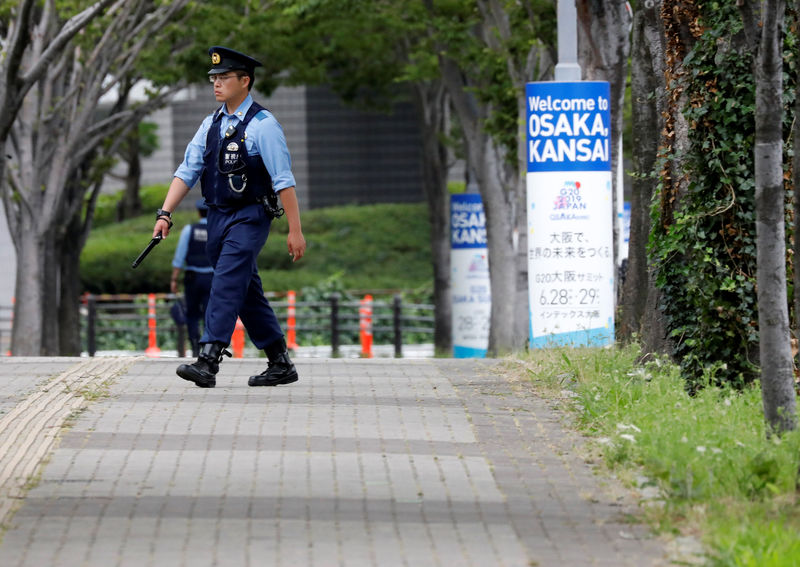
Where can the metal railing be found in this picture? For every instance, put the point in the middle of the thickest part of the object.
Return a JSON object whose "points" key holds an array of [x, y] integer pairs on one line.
{"points": [[334, 321]]}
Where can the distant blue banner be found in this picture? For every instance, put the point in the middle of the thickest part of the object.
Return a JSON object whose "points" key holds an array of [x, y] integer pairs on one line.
{"points": [[467, 221], [569, 126], [602, 336], [468, 352], [469, 276]]}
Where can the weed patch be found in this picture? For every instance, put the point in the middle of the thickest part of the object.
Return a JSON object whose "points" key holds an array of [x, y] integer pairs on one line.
{"points": [[708, 455]]}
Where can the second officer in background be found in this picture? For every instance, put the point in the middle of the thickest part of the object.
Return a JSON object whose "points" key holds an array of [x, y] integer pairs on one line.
{"points": [[191, 258]]}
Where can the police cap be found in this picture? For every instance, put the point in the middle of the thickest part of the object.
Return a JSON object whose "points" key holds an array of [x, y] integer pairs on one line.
{"points": [[224, 59]]}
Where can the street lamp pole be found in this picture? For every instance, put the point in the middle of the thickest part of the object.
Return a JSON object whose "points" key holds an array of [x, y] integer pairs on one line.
{"points": [[567, 68]]}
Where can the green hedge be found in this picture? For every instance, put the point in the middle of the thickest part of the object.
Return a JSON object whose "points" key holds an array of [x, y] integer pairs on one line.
{"points": [[365, 247], [105, 211]]}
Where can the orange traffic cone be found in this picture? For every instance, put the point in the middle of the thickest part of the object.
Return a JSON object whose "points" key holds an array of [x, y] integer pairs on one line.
{"points": [[365, 326], [291, 322], [152, 349], [237, 341]]}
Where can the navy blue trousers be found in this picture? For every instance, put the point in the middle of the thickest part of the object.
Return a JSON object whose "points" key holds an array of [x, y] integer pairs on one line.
{"points": [[235, 238], [197, 288]]}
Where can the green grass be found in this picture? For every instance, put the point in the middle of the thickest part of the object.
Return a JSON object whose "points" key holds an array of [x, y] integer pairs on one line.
{"points": [[717, 472], [361, 247]]}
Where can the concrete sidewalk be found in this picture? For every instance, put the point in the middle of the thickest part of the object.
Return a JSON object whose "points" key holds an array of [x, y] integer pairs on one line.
{"points": [[361, 462]]}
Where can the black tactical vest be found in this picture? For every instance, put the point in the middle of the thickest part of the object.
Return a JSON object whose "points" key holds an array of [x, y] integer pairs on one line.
{"points": [[196, 253], [231, 177]]}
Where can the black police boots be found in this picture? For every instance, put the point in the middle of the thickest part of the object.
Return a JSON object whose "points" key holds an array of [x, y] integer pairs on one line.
{"points": [[204, 371], [280, 369]]}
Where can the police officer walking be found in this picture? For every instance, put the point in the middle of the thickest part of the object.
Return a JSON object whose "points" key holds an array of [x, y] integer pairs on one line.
{"points": [[191, 258], [239, 154]]}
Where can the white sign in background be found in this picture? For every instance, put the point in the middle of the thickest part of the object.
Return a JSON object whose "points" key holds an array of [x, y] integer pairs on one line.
{"points": [[570, 215], [469, 281]]}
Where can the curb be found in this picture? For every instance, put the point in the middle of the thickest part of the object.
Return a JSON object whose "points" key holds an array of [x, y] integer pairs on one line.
{"points": [[29, 432]]}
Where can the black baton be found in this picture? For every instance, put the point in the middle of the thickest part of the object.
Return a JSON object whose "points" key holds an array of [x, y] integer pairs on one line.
{"points": [[146, 251]]}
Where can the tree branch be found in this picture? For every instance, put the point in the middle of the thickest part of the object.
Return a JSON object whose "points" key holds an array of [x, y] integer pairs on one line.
{"points": [[65, 34], [15, 48], [751, 14], [121, 120], [11, 93]]}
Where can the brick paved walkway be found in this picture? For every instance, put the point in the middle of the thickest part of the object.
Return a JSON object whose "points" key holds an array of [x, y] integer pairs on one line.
{"points": [[360, 463]]}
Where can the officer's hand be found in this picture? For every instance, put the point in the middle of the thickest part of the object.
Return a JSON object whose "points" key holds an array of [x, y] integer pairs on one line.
{"points": [[161, 226], [173, 286], [296, 244]]}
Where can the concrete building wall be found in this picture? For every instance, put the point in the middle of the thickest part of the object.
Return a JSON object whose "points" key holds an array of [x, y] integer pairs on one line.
{"points": [[160, 163], [359, 156], [288, 105]]}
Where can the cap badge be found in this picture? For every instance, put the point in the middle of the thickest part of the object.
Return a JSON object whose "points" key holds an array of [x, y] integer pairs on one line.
{"points": [[215, 58]]}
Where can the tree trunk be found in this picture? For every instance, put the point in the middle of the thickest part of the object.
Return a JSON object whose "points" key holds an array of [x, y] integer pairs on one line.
{"points": [[796, 197], [130, 205], [431, 101], [677, 18], [69, 322], [51, 298], [669, 34], [603, 51], [639, 313], [501, 189], [79, 208], [26, 336], [498, 168], [504, 201], [764, 27]]}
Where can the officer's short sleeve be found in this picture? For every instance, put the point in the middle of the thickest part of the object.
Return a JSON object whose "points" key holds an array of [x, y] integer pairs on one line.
{"points": [[192, 166], [271, 145], [179, 260]]}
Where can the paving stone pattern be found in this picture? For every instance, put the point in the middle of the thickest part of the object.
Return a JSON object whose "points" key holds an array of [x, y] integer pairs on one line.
{"points": [[20, 377], [361, 463]]}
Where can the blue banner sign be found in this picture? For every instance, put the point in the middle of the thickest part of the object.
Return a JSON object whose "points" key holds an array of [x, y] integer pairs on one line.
{"points": [[467, 221], [469, 276], [570, 214], [569, 126]]}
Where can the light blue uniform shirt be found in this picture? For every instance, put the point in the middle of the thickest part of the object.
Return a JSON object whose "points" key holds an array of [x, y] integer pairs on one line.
{"points": [[263, 137], [179, 260]]}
